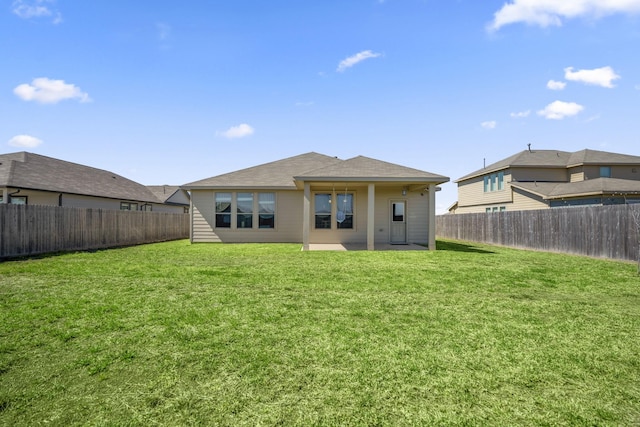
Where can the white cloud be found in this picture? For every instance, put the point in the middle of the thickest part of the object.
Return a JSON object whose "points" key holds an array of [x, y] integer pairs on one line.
{"points": [[555, 85], [304, 104], [28, 9], [599, 76], [552, 12], [164, 30], [558, 110], [26, 141], [637, 87], [47, 91], [353, 60], [239, 131], [521, 114], [489, 124]]}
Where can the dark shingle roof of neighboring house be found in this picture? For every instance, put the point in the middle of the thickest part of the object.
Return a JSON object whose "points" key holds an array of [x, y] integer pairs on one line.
{"points": [[283, 173], [36, 172], [591, 187], [164, 192], [526, 158], [555, 159]]}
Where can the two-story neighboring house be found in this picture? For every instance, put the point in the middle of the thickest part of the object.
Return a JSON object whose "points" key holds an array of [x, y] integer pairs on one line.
{"points": [[540, 179]]}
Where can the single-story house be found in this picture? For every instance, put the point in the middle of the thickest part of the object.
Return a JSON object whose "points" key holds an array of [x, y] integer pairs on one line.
{"points": [[313, 198], [28, 178]]}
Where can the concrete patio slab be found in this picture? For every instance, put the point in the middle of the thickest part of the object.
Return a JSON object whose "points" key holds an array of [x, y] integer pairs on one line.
{"points": [[363, 247]]}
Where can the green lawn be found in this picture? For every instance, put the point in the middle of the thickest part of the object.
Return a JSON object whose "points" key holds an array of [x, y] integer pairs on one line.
{"points": [[212, 334]]}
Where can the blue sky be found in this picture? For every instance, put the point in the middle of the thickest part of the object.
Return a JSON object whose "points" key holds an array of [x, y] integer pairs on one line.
{"points": [[172, 92]]}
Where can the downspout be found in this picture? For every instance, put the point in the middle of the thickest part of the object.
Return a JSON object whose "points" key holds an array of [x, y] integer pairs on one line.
{"points": [[60, 199]]}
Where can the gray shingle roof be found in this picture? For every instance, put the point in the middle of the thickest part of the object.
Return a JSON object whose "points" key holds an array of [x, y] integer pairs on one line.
{"points": [[598, 186], [284, 173], [526, 158], [278, 174], [368, 169], [36, 172], [163, 192], [555, 159]]}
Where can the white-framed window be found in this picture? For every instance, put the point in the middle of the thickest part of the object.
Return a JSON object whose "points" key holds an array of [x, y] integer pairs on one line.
{"points": [[128, 206], [494, 182], [322, 208], [243, 206], [244, 209], [344, 210], [266, 210], [334, 211], [223, 210]]}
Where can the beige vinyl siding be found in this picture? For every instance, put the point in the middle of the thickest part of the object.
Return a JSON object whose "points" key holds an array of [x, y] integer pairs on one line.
{"points": [[539, 174], [523, 201], [591, 172], [626, 172], [471, 193], [202, 217], [418, 218], [576, 174], [50, 198]]}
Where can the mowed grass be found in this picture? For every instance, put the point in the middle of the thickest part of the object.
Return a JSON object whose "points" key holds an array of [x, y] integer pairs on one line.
{"points": [[213, 334]]}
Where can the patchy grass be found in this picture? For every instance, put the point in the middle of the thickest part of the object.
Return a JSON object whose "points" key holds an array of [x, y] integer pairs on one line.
{"points": [[212, 334]]}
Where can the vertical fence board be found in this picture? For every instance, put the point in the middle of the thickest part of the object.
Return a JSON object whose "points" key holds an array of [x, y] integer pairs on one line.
{"points": [[32, 230], [597, 231]]}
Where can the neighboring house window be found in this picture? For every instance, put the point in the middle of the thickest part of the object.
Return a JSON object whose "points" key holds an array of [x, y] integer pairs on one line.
{"points": [[344, 210], [128, 206], [494, 182], [146, 207], [186, 209], [605, 171], [18, 200], [503, 208], [223, 210], [322, 203], [266, 210], [245, 210], [487, 210]]}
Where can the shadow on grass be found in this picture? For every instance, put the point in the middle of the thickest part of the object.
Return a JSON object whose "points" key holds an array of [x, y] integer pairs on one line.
{"points": [[460, 247]]}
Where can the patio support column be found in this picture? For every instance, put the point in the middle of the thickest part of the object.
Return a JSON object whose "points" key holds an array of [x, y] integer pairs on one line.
{"points": [[371, 220], [306, 221], [432, 217]]}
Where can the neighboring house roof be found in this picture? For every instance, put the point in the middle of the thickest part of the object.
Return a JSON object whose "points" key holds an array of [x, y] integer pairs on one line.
{"points": [[165, 193], [36, 172], [555, 159], [313, 166], [591, 187]]}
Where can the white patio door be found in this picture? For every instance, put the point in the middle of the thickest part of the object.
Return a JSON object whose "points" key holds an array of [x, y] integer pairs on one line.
{"points": [[398, 222]]}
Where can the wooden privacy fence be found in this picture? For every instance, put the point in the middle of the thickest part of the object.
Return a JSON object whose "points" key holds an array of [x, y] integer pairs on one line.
{"points": [[598, 231], [32, 229]]}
